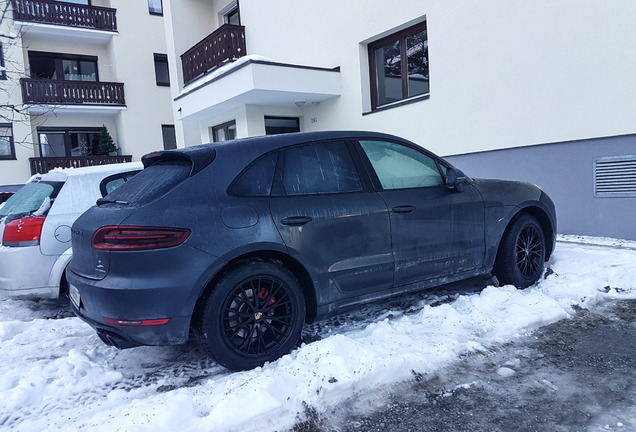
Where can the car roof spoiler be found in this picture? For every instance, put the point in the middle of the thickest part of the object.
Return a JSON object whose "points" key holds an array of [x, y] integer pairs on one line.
{"points": [[199, 157]]}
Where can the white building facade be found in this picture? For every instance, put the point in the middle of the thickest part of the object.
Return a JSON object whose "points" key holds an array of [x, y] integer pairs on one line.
{"points": [[541, 91], [73, 67]]}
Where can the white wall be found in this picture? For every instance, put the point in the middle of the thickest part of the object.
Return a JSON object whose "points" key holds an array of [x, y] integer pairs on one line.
{"points": [[503, 74], [148, 106]]}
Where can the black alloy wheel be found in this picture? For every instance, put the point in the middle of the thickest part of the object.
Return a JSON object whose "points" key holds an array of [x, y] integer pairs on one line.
{"points": [[521, 256], [254, 314], [530, 252]]}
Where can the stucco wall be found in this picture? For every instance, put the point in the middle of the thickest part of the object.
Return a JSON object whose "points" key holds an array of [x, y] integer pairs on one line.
{"points": [[565, 171], [503, 74]]}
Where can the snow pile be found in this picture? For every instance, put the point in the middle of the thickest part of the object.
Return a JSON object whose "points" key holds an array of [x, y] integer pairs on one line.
{"points": [[57, 375]]}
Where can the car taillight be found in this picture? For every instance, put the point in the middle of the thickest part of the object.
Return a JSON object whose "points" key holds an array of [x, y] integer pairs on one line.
{"points": [[23, 232], [136, 238]]}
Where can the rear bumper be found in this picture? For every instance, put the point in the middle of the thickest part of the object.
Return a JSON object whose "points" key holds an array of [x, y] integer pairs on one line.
{"points": [[172, 333], [156, 285], [99, 301], [24, 273]]}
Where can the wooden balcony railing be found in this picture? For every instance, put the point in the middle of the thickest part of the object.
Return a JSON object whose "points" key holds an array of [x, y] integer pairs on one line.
{"points": [[65, 14], [54, 92], [42, 165], [225, 43]]}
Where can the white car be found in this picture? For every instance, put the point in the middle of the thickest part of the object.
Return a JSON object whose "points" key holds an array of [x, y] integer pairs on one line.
{"points": [[35, 226]]}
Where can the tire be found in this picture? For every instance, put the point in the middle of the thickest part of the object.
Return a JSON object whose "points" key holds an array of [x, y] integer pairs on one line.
{"points": [[253, 315], [521, 254]]}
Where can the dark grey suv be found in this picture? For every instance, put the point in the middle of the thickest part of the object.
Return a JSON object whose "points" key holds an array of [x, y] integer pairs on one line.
{"points": [[245, 241]]}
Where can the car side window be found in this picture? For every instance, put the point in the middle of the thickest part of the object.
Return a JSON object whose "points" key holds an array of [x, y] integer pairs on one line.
{"points": [[256, 180], [400, 167], [319, 168], [112, 182]]}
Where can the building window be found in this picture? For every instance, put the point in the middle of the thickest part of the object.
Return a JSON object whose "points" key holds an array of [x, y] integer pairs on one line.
{"points": [[3, 71], [161, 70], [169, 137], [7, 148], [79, 2], [230, 13], [398, 66], [224, 132], [67, 67], [281, 125], [155, 7], [68, 142], [615, 177]]}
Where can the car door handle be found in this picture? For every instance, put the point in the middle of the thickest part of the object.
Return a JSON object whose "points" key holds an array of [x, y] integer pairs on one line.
{"points": [[403, 209], [295, 220]]}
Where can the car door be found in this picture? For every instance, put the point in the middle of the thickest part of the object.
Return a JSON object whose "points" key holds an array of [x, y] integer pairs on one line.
{"points": [[331, 221], [436, 230]]}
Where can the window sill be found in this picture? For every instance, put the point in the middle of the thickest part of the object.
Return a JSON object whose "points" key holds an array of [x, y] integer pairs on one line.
{"points": [[398, 103]]}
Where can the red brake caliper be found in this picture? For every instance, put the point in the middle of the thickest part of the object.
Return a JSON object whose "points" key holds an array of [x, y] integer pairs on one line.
{"points": [[262, 294]]}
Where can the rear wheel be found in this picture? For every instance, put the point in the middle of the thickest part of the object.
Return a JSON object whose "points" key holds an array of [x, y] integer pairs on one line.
{"points": [[521, 254], [253, 315]]}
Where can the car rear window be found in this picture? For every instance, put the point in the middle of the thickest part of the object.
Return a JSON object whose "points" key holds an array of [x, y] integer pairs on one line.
{"points": [[34, 198], [150, 184]]}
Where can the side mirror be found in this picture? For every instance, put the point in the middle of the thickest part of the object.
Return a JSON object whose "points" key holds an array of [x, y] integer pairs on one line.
{"points": [[455, 179]]}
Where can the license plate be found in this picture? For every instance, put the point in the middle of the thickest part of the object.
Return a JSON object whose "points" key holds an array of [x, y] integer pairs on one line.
{"points": [[75, 295]]}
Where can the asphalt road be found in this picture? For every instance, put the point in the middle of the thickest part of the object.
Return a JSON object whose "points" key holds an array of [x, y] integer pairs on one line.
{"points": [[574, 375]]}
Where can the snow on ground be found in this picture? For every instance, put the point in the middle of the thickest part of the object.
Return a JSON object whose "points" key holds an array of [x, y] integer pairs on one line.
{"points": [[55, 374]]}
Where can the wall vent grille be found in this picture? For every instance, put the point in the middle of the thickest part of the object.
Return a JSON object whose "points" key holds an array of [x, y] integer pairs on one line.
{"points": [[615, 176]]}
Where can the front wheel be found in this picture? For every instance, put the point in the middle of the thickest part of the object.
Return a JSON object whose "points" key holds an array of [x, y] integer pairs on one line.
{"points": [[521, 254], [255, 314]]}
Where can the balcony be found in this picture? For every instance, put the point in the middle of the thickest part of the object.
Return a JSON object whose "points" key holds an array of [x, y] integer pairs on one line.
{"points": [[65, 14], [225, 43], [42, 165], [54, 92]]}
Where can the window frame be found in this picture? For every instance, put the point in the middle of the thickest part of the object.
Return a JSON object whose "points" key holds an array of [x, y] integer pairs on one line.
{"points": [[58, 58], [226, 129], [161, 59], [152, 12], [402, 36], [3, 73], [12, 155], [171, 127], [68, 150], [274, 118]]}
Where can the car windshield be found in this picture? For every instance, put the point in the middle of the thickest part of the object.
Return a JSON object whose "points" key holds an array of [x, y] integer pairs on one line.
{"points": [[34, 199]]}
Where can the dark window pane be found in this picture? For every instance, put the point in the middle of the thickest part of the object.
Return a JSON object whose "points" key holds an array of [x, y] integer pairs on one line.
{"points": [[161, 69], [169, 137], [3, 73], [224, 132], [42, 67], [7, 150], [257, 180], [281, 125], [233, 17], [318, 169], [155, 7], [388, 65], [417, 54], [52, 145]]}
